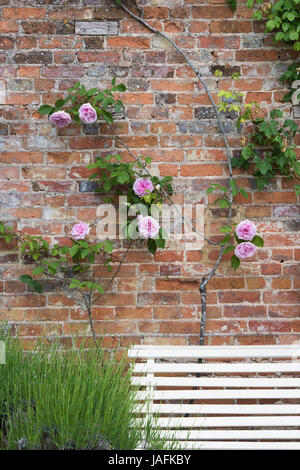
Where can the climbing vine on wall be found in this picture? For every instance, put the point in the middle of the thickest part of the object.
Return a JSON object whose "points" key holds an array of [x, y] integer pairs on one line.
{"points": [[282, 17], [268, 148]]}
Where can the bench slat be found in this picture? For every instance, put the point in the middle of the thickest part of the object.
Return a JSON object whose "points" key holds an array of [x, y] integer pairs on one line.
{"points": [[218, 367], [215, 352], [226, 346], [218, 394], [228, 421], [222, 409], [243, 445], [230, 434], [216, 382]]}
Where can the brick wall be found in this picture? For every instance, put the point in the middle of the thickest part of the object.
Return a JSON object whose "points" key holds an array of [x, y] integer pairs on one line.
{"points": [[43, 180]]}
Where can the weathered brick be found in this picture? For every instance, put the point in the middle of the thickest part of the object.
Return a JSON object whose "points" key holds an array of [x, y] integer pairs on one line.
{"points": [[103, 57], [36, 57], [8, 27], [211, 12], [253, 55], [71, 14], [41, 27], [24, 13], [230, 27]]}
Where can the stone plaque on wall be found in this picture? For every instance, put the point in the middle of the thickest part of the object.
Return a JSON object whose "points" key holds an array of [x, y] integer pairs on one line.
{"points": [[94, 28]]}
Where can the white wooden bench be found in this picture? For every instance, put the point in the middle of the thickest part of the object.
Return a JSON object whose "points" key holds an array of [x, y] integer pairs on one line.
{"points": [[221, 397]]}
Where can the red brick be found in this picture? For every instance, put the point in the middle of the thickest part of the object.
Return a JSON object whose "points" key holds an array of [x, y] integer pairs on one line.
{"points": [[230, 27], [30, 300], [281, 283], [8, 27], [217, 42], [22, 98], [71, 13], [239, 297], [226, 327], [30, 71], [89, 142], [32, 330], [180, 327], [271, 269], [270, 326], [274, 197], [105, 57], [172, 85], [281, 297], [132, 313], [242, 311], [122, 41], [201, 170], [21, 157], [212, 12], [23, 13], [291, 311], [137, 98], [256, 55]]}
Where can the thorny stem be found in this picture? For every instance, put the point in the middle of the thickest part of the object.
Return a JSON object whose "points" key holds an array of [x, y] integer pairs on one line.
{"points": [[208, 276], [87, 301], [115, 273], [88, 298]]}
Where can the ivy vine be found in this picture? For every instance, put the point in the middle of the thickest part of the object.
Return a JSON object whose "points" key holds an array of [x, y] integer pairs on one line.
{"points": [[282, 17]]}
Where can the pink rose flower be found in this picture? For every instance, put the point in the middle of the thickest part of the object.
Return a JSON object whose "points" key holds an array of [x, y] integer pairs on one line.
{"points": [[80, 231], [246, 230], [87, 113], [245, 250], [60, 119], [148, 227], [142, 186]]}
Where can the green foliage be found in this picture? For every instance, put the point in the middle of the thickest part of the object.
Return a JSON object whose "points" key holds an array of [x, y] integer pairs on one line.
{"points": [[155, 243], [233, 101], [58, 400], [282, 16], [114, 175], [60, 260], [223, 201], [270, 146], [291, 74], [270, 149], [33, 283], [6, 232], [34, 247], [118, 177], [229, 100], [103, 101], [258, 241], [235, 262], [232, 4]]}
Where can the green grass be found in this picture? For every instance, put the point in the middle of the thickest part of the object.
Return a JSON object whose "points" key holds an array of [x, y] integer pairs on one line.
{"points": [[51, 399]]}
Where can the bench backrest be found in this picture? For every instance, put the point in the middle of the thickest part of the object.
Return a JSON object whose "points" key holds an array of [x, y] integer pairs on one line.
{"points": [[222, 397]]}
